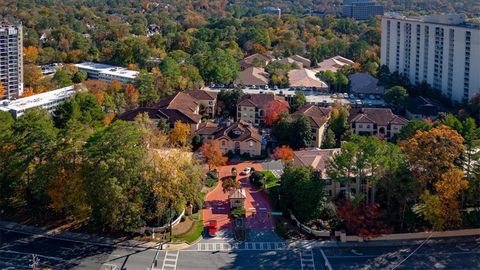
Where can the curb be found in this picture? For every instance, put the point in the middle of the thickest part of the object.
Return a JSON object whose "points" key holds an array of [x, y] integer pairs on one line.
{"points": [[40, 232]]}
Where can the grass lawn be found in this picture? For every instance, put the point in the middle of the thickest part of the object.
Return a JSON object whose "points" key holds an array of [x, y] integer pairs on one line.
{"points": [[194, 232], [271, 180]]}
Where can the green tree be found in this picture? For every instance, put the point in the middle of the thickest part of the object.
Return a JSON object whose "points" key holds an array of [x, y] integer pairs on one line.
{"points": [[338, 123], [62, 78], [115, 176], [82, 107], [144, 84], [35, 138], [302, 132], [227, 101], [79, 76], [303, 191], [410, 129], [397, 96], [297, 101]]}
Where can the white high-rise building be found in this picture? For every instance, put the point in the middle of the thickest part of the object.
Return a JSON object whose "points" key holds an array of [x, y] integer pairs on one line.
{"points": [[11, 60], [442, 50]]}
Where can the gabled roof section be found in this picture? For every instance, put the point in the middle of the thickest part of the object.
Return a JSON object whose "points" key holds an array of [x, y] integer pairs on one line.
{"points": [[334, 63], [318, 116], [239, 131], [364, 83], [316, 158], [256, 100], [379, 116], [238, 193], [305, 78], [201, 94], [253, 76]]}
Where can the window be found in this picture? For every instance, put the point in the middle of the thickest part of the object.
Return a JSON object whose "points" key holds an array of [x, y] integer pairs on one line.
{"points": [[251, 144], [223, 143], [360, 126]]}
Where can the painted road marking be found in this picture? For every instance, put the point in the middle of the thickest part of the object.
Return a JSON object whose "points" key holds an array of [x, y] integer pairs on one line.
{"points": [[306, 259], [170, 261], [241, 246]]}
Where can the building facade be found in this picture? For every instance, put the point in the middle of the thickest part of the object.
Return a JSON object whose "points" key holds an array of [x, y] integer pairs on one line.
{"points": [[11, 60], [441, 50], [362, 9]]}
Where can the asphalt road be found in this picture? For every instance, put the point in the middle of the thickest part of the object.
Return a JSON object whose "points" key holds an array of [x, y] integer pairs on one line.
{"points": [[16, 253]]}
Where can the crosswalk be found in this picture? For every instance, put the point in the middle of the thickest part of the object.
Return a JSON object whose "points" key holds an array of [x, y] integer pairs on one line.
{"points": [[306, 259], [277, 173], [170, 261], [243, 246]]}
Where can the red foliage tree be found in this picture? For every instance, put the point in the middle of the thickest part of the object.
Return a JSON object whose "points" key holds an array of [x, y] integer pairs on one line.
{"points": [[274, 110], [284, 153], [362, 219]]}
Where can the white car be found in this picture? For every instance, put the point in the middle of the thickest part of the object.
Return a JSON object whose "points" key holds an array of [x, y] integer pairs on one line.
{"points": [[247, 171]]}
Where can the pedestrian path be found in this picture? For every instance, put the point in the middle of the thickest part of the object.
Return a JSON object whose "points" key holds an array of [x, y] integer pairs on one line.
{"points": [[170, 261]]}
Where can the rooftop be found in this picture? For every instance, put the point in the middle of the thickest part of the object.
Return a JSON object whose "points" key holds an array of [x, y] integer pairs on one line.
{"points": [[108, 69], [305, 78], [316, 158], [451, 19], [37, 100]]}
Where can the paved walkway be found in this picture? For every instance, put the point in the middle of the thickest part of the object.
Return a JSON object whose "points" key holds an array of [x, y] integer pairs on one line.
{"points": [[257, 205]]}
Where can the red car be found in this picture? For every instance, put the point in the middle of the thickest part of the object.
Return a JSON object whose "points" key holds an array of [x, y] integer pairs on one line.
{"points": [[212, 227]]}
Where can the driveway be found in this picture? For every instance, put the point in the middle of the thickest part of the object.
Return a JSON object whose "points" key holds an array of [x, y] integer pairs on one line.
{"points": [[257, 205]]}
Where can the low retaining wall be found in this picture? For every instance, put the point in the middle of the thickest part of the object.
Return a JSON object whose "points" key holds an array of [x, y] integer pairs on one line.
{"points": [[163, 228], [411, 236], [307, 229]]}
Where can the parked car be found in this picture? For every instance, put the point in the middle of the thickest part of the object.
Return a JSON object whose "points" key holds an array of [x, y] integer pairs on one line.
{"points": [[212, 227], [246, 171], [345, 95], [358, 102]]}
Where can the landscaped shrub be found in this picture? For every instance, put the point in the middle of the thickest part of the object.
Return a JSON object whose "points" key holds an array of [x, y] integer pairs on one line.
{"points": [[213, 174], [256, 178], [237, 212], [211, 182]]}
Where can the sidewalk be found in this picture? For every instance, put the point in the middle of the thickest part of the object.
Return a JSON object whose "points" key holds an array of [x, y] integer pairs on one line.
{"points": [[75, 237]]}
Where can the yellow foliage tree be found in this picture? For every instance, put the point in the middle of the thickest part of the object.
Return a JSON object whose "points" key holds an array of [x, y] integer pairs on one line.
{"points": [[179, 134]]}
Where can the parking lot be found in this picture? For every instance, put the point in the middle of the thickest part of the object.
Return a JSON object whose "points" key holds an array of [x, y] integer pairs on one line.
{"points": [[319, 97]]}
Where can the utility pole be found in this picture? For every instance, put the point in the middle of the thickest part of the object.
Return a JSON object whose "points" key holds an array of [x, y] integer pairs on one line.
{"points": [[170, 221]]}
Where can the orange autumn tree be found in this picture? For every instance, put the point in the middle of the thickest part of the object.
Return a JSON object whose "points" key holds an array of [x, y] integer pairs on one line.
{"points": [[213, 154], [2, 90], [131, 94], [273, 111], [283, 153], [28, 92], [30, 55], [434, 157]]}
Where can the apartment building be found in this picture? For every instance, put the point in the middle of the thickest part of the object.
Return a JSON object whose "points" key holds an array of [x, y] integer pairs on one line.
{"points": [[361, 9], [381, 122], [11, 60], [441, 50], [251, 108]]}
